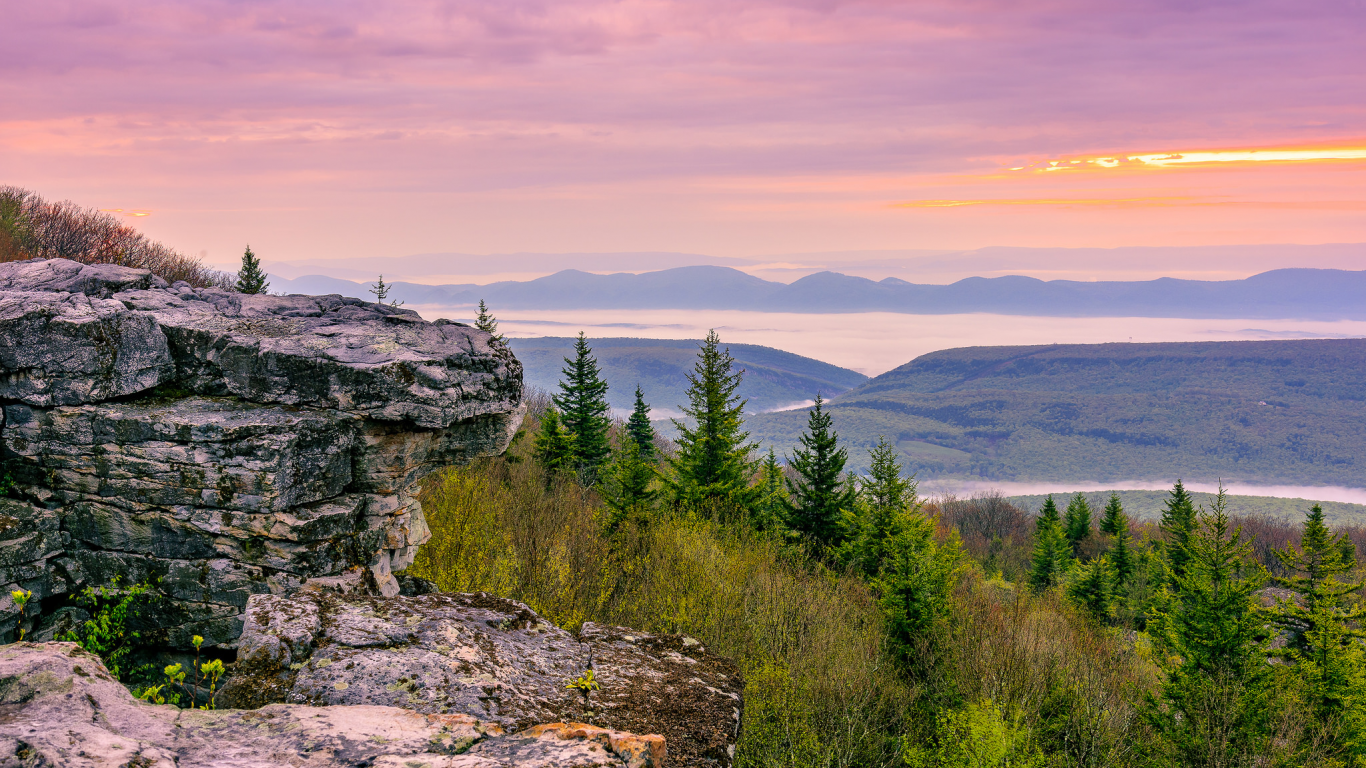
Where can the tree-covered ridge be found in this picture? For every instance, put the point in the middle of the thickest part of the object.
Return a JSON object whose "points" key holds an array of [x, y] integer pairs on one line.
{"points": [[1284, 411]]}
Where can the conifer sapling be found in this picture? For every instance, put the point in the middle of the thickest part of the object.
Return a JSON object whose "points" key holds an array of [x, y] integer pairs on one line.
{"points": [[251, 278]]}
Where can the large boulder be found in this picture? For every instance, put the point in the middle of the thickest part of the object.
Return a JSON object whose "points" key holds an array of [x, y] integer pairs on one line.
{"points": [[489, 658], [222, 445], [62, 708]]}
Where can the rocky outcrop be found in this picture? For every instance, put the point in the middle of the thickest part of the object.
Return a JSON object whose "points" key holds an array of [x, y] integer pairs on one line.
{"points": [[488, 658], [223, 445], [60, 707]]}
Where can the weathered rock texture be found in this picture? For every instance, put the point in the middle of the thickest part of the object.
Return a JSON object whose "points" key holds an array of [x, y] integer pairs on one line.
{"points": [[226, 444], [60, 707], [492, 659]]}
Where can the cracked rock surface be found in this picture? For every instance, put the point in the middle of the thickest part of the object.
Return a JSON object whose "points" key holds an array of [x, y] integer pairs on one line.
{"points": [[488, 658], [226, 445], [60, 707]]}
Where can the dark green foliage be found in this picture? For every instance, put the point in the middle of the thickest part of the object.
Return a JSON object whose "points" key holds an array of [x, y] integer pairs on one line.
{"points": [[1052, 553], [381, 290], [554, 448], [639, 428], [1325, 637], [1048, 514], [582, 401], [251, 278], [819, 495], [487, 323], [1178, 525], [916, 581], [1122, 556], [1076, 523], [114, 612], [1112, 520], [627, 487], [769, 509], [883, 497], [1213, 708], [1093, 588], [712, 463]]}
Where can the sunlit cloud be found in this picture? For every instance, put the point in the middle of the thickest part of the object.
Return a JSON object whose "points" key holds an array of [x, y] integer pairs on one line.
{"points": [[1199, 158], [134, 212], [1128, 201]]}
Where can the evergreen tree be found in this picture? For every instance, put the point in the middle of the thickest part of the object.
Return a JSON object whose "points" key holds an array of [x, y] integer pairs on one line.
{"points": [[626, 486], [770, 503], [1113, 518], [1122, 556], [819, 494], [1093, 589], [487, 322], [1178, 524], [1048, 515], [251, 278], [1077, 522], [916, 580], [582, 401], [1324, 639], [882, 497], [381, 290], [1052, 552], [1213, 707], [712, 463], [554, 448], [639, 428]]}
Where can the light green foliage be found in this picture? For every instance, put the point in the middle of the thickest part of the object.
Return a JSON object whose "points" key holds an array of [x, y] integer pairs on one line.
{"points": [[916, 579], [106, 633], [251, 278], [977, 736], [554, 446], [585, 682], [487, 323], [174, 689], [639, 428], [1076, 523], [819, 495], [582, 401], [1213, 707], [778, 721], [712, 464]]}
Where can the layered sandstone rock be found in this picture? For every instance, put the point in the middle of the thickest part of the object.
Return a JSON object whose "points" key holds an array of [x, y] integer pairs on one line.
{"points": [[223, 445]]}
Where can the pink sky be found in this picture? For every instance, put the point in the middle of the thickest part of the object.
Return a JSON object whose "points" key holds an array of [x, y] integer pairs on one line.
{"points": [[344, 129]]}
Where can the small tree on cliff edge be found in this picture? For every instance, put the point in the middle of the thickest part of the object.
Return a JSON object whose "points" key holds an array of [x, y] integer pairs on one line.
{"points": [[250, 278]]}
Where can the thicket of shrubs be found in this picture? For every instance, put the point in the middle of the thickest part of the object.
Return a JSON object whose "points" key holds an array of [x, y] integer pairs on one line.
{"points": [[31, 227], [875, 628]]}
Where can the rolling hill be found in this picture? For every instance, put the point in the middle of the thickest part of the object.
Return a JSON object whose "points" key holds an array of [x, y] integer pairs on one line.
{"points": [[1258, 411], [773, 378]]}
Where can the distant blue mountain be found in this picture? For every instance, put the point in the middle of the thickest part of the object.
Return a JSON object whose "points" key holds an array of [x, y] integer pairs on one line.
{"points": [[1283, 293]]}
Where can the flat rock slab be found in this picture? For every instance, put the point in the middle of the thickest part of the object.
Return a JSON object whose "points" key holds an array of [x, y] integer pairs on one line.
{"points": [[60, 707], [493, 659]]}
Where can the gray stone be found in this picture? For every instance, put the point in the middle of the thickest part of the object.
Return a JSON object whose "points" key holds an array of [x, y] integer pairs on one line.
{"points": [[490, 658], [62, 708], [65, 276]]}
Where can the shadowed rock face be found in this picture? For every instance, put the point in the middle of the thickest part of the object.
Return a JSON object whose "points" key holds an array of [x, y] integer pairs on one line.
{"points": [[228, 445], [62, 708]]}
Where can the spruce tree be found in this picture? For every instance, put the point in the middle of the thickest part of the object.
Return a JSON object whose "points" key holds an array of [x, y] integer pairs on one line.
{"points": [[639, 428], [1325, 639], [1178, 524], [627, 486], [381, 290], [882, 497], [712, 464], [1122, 555], [251, 278], [1113, 517], [1052, 552], [915, 581], [1077, 522], [1048, 514], [1093, 589], [819, 494], [582, 401], [770, 502], [487, 322], [1213, 706], [554, 448]]}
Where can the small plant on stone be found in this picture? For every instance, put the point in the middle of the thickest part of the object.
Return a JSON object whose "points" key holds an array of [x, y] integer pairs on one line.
{"points": [[21, 598], [585, 682], [207, 674], [381, 290], [106, 633]]}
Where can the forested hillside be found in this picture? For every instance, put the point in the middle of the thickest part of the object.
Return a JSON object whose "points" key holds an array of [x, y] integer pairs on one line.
{"points": [[773, 378], [1285, 411]]}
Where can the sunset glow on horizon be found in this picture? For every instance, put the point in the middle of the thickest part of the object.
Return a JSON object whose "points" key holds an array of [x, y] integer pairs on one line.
{"points": [[347, 129]]}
